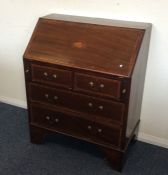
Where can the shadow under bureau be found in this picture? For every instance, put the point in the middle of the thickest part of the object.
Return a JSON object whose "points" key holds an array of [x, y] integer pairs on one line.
{"points": [[84, 78]]}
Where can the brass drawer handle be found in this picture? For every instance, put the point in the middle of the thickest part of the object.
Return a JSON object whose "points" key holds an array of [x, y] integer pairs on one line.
{"points": [[124, 91], [48, 117], [45, 74], [55, 97], [54, 76], [99, 130], [89, 127], [91, 84], [27, 71], [56, 120], [101, 85], [101, 107], [46, 95], [90, 104]]}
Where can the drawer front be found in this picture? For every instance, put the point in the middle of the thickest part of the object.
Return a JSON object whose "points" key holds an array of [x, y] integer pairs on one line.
{"points": [[96, 106], [75, 126], [52, 76], [53, 96], [104, 86], [86, 104], [52, 119]]}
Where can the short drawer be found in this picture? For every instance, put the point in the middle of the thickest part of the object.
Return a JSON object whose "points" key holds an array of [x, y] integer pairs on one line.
{"points": [[52, 76], [75, 126], [104, 86], [41, 93]]}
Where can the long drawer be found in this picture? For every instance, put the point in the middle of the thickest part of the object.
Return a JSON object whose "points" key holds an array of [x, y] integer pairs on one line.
{"points": [[75, 126], [87, 104]]}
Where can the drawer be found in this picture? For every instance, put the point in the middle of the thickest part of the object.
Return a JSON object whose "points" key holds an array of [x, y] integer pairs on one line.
{"points": [[53, 96], [95, 106], [52, 76], [75, 126], [102, 86], [52, 119], [103, 108]]}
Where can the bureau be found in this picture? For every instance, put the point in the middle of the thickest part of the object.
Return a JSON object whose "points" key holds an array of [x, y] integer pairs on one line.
{"points": [[84, 78]]}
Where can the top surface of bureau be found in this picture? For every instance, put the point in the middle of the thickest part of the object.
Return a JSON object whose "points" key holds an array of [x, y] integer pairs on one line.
{"points": [[96, 47]]}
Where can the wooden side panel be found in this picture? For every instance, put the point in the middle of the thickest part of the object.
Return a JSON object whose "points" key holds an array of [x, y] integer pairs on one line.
{"points": [[137, 85]]}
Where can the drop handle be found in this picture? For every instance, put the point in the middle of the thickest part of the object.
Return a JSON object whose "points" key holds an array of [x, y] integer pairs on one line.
{"points": [[56, 120], [91, 84], [45, 74], [89, 127], [48, 117], [54, 75], [46, 95], [55, 97], [101, 86], [27, 71], [101, 107], [99, 130], [124, 91], [90, 104]]}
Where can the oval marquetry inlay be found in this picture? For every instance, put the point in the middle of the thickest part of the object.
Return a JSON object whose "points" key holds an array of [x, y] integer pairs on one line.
{"points": [[79, 44]]}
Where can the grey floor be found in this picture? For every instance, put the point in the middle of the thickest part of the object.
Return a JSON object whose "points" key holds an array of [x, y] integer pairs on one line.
{"points": [[62, 155]]}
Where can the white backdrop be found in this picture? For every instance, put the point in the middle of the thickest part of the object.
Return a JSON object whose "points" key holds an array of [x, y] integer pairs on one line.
{"points": [[18, 18]]}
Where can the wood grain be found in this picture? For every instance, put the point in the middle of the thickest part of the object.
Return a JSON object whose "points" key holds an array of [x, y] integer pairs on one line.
{"points": [[117, 46], [85, 80]]}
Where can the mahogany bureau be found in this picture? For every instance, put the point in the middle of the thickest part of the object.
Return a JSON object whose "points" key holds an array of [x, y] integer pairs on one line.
{"points": [[84, 78]]}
